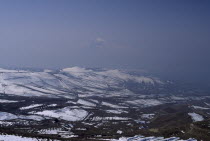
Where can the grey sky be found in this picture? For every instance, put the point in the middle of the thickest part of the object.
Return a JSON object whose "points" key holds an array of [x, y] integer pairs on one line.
{"points": [[167, 37]]}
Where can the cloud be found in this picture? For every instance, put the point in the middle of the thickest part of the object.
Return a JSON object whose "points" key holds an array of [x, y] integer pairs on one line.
{"points": [[99, 42]]}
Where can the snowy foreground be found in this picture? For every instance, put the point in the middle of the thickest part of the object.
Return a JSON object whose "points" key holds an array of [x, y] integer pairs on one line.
{"points": [[19, 138], [136, 138], [142, 138], [15, 138]]}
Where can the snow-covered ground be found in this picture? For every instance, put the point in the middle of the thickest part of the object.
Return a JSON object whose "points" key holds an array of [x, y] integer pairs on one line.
{"points": [[94, 97], [202, 108], [196, 117], [32, 117], [5, 123], [146, 102], [79, 84], [52, 105], [49, 131], [31, 106], [7, 116], [112, 105], [86, 103], [65, 113], [19, 138], [136, 138], [16, 138], [142, 138], [7, 101], [109, 118], [116, 111], [147, 116]]}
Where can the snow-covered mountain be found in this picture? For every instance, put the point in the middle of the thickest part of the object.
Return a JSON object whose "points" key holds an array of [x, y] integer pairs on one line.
{"points": [[68, 82]]}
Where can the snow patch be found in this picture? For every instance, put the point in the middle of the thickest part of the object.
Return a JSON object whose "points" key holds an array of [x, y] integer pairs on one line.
{"points": [[15, 138], [50, 131], [7, 101], [112, 105], [31, 106], [52, 105], [146, 102], [7, 116], [66, 113], [142, 138], [148, 116], [196, 117], [86, 103], [119, 132], [202, 108]]}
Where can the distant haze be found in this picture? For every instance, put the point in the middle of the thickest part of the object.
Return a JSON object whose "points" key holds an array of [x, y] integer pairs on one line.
{"points": [[168, 37]]}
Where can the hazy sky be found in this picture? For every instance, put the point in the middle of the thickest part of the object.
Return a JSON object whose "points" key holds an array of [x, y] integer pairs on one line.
{"points": [[165, 36]]}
